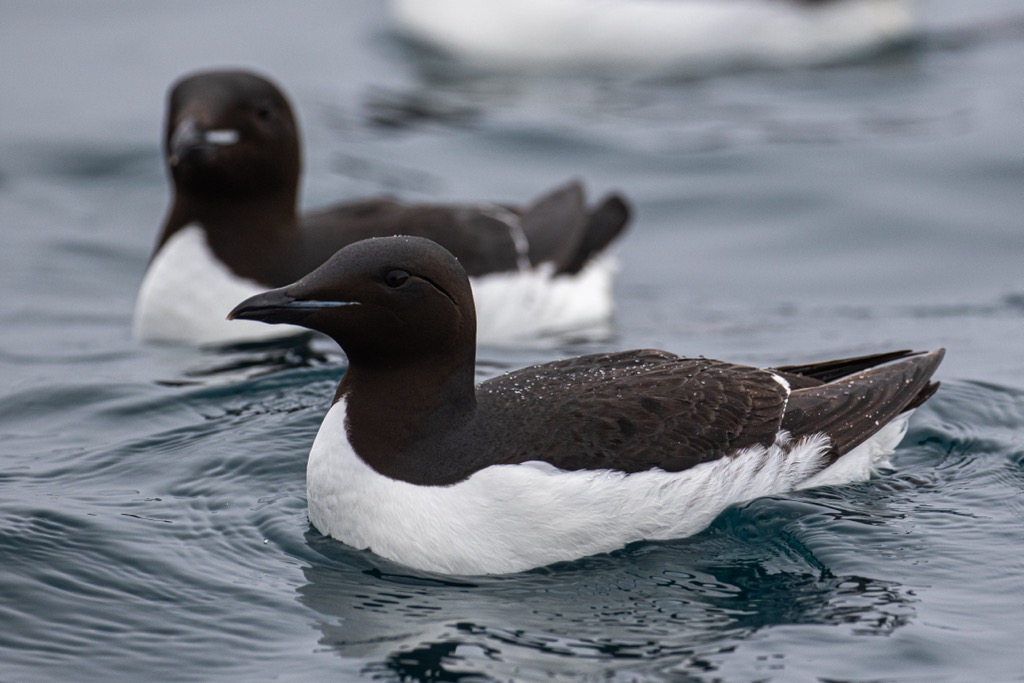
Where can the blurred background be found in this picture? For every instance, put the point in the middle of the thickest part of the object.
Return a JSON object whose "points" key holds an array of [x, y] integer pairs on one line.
{"points": [[819, 198]]}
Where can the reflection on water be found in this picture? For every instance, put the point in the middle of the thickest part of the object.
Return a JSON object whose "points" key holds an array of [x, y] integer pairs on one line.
{"points": [[631, 611], [235, 362]]}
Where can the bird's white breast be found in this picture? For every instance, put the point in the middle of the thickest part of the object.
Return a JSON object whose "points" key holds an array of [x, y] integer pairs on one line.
{"points": [[530, 304], [509, 518], [187, 293]]}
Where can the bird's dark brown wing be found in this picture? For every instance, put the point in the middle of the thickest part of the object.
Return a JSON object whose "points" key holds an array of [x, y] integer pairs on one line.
{"points": [[561, 230], [478, 238], [853, 408], [630, 411], [486, 238], [827, 371], [605, 223]]}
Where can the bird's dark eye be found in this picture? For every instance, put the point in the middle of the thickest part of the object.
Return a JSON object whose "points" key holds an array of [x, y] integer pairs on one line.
{"points": [[263, 112], [396, 278]]}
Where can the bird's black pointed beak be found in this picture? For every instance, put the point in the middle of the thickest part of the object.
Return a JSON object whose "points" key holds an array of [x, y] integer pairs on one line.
{"points": [[272, 307], [190, 136], [277, 306]]}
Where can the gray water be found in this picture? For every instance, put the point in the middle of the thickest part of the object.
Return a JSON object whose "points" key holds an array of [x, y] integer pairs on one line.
{"points": [[152, 500]]}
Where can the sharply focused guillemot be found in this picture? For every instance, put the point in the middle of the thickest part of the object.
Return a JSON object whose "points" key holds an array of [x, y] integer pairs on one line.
{"points": [[560, 460], [232, 149], [654, 36]]}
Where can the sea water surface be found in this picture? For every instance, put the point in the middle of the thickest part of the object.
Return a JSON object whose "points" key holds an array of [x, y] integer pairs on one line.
{"points": [[152, 499]]}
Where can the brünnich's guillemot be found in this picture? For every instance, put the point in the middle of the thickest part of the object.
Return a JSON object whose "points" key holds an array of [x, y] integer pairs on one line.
{"points": [[561, 460], [232, 149], [653, 36]]}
